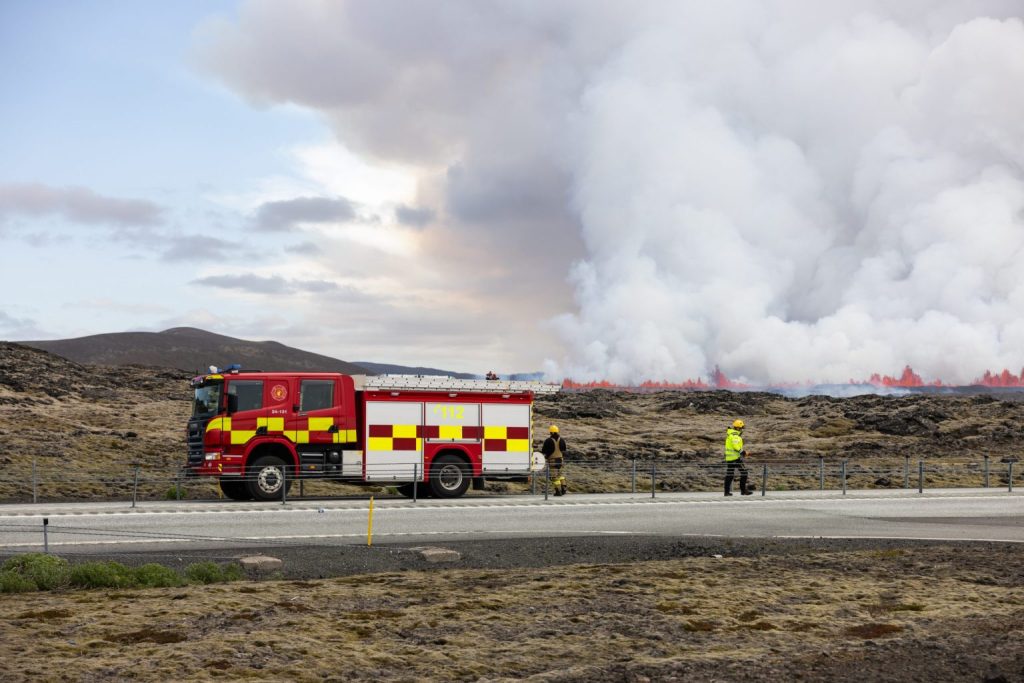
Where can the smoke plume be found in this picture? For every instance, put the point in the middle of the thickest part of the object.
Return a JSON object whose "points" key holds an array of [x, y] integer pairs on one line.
{"points": [[796, 195], [785, 190]]}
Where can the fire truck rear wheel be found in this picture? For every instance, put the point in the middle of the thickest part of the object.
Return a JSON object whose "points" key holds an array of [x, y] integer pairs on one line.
{"points": [[235, 489], [422, 490], [449, 477], [266, 477]]}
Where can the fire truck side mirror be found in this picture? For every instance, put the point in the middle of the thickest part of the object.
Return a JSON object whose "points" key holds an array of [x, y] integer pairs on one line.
{"points": [[232, 403]]}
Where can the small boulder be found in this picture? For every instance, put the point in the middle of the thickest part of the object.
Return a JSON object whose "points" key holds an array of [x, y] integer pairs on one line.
{"points": [[260, 565], [439, 555]]}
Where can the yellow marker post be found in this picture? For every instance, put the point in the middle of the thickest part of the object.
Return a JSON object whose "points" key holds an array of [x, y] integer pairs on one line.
{"points": [[369, 528]]}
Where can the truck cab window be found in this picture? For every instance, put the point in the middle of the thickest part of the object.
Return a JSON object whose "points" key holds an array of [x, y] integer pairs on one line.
{"points": [[316, 394], [249, 393], [207, 401]]}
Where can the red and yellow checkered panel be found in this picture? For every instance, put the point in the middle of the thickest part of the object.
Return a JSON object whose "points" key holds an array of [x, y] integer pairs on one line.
{"points": [[410, 437]]}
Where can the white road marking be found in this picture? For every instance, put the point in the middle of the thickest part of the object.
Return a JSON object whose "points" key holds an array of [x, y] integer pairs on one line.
{"points": [[756, 500]]}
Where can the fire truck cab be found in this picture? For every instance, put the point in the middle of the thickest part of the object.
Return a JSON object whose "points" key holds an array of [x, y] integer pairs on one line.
{"points": [[258, 432]]}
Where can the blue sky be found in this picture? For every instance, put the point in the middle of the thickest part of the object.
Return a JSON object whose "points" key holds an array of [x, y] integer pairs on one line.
{"points": [[106, 98]]}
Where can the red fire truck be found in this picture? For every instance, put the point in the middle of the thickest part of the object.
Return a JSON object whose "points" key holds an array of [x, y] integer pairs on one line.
{"points": [[258, 432]]}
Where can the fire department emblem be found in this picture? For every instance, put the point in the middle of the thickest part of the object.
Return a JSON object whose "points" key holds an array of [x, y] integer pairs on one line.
{"points": [[279, 392]]}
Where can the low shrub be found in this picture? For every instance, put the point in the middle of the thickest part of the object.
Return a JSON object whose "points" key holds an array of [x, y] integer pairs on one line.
{"points": [[154, 575], [211, 572], [46, 572], [175, 493], [102, 575], [13, 582]]}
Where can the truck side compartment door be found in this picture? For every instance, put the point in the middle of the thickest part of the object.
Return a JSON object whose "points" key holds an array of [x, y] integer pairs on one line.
{"points": [[506, 438], [394, 447]]}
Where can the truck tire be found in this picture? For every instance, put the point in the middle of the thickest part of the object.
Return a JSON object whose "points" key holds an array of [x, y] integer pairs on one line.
{"points": [[422, 490], [235, 489], [449, 476], [266, 478]]}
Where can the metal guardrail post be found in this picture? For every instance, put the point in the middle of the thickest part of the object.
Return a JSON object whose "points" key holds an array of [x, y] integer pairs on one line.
{"points": [[986, 471], [764, 478], [135, 487], [35, 496], [920, 476], [634, 474], [821, 473], [284, 484], [547, 479], [415, 480], [842, 475], [46, 538], [906, 471], [654, 469], [1009, 476]]}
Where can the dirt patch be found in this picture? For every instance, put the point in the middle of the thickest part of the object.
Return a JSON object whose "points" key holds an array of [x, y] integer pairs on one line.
{"points": [[147, 635]]}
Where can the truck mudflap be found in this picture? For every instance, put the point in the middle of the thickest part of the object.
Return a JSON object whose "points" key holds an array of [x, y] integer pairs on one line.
{"points": [[478, 483]]}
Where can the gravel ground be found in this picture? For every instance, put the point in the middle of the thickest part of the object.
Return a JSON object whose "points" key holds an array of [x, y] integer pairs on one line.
{"points": [[326, 561]]}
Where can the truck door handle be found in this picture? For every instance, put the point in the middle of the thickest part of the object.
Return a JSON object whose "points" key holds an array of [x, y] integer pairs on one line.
{"points": [[333, 429]]}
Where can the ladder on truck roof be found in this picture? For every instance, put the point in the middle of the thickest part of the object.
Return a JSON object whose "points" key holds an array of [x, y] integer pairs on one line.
{"points": [[444, 383]]}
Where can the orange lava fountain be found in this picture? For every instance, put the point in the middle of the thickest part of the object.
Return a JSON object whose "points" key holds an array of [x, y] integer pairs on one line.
{"points": [[908, 379]]}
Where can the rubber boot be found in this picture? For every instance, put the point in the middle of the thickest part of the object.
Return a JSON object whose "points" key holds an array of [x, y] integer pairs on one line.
{"points": [[728, 485], [743, 487]]}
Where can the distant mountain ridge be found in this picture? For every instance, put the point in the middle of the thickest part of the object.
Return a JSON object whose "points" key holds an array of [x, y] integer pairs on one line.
{"points": [[192, 350], [392, 369]]}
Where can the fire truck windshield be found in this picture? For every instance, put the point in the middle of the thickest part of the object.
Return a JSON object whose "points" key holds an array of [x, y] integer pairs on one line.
{"points": [[207, 400]]}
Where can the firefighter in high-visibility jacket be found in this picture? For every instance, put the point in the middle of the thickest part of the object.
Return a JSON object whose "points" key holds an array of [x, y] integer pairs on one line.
{"points": [[554, 449], [734, 455]]}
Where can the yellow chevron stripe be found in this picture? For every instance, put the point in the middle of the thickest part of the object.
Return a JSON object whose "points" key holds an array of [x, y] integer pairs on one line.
{"points": [[320, 424], [273, 424], [403, 431], [449, 432], [495, 432], [242, 436], [221, 423], [297, 436]]}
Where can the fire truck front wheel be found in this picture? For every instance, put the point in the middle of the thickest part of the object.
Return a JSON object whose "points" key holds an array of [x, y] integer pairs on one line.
{"points": [[266, 478], [449, 476]]}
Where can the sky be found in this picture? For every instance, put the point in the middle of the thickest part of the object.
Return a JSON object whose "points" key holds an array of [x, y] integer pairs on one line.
{"points": [[785, 189]]}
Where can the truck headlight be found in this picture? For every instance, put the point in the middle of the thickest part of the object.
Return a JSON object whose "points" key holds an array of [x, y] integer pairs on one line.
{"points": [[215, 455]]}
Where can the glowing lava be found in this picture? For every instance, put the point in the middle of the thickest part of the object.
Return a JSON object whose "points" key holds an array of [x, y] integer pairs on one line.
{"points": [[907, 379]]}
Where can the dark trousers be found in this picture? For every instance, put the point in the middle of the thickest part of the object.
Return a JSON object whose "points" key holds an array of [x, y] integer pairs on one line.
{"points": [[730, 469]]}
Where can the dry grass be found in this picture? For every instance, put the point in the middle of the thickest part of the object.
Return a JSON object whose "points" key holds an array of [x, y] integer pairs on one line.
{"points": [[596, 620]]}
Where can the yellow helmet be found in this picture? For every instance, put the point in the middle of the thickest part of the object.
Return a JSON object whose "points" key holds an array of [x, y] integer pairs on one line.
{"points": [[554, 429], [738, 424]]}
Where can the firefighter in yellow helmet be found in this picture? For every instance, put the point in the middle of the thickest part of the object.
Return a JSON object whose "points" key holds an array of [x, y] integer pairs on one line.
{"points": [[554, 449], [734, 455]]}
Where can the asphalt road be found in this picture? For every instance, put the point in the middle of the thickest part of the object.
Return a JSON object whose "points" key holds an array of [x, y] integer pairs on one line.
{"points": [[952, 514]]}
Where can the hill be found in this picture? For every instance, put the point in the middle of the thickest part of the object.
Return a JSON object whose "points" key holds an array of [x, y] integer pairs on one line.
{"points": [[191, 350], [392, 369]]}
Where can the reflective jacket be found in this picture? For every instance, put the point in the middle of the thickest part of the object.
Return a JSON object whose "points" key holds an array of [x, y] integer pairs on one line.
{"points": [[733, 444], [554, 449]]}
